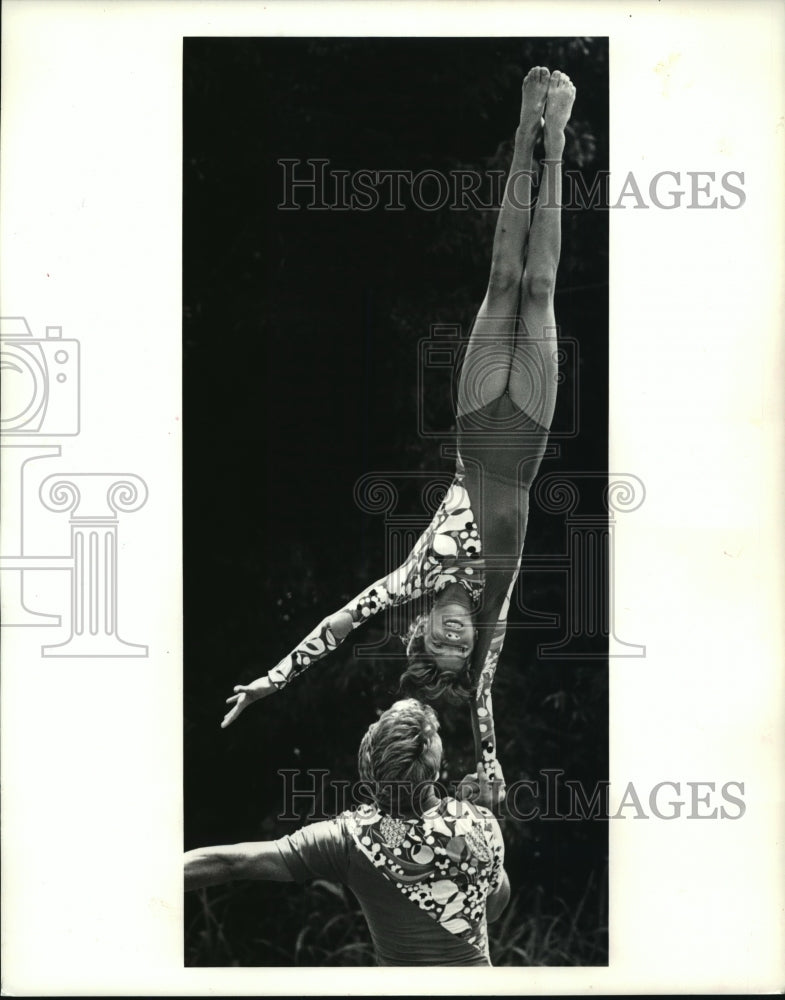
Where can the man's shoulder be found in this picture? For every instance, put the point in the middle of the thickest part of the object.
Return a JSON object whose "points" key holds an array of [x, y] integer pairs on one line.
{"points": [[462, 812], [449, 816], [481, 818], [322, 831]]}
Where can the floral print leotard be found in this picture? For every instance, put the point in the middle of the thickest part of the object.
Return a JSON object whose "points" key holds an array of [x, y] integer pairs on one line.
{"points": [[502, 448], [449, 551]]}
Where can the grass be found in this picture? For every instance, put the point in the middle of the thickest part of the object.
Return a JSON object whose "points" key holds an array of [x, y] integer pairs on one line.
{"points": [[320, 924], [527, 934]]}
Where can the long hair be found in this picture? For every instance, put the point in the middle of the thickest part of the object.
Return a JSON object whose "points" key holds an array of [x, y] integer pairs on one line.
{"points": [[398, 757], [425, 679]]}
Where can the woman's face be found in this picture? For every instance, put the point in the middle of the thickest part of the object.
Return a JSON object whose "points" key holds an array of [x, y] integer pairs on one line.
{"points": [[449, 636]]}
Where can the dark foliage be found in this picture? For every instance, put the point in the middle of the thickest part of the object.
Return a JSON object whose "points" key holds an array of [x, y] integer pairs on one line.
{"points": [[300, 337]]}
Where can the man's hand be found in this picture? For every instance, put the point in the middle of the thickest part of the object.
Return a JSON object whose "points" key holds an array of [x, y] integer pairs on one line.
{"points": [[479, 787], [469, 788], [244, 695]]}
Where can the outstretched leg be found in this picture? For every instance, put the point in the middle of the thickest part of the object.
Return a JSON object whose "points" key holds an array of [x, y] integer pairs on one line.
{"points": [[489, 355], [532, 385]]}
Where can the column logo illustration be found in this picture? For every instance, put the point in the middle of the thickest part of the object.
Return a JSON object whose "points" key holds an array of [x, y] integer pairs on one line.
{"points": [[41, 403]]}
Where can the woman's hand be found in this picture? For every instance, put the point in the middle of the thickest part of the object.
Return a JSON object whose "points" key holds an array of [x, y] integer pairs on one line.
{"points": [[243, 695], [479, 787]]}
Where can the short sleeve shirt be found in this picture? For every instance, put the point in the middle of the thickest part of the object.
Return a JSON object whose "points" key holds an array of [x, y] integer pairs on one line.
{"points": [[405, 925]]}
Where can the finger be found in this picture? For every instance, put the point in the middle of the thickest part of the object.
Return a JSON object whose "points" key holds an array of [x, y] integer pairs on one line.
{"points": [[233, 699], [230, 717]]}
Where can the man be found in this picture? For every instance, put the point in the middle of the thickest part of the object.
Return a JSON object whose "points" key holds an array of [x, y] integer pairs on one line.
{"points": [[427, 870]]}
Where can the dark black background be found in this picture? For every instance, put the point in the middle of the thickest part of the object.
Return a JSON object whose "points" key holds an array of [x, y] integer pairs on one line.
{"points": [[300, 347]]}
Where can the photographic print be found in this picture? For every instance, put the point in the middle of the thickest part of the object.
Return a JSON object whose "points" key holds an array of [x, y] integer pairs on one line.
{"points": [[391, 456], [366, 218]]}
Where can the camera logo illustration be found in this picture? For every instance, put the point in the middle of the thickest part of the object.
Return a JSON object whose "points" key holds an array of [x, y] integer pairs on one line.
{"points": [[40, 381], [41, 388]]}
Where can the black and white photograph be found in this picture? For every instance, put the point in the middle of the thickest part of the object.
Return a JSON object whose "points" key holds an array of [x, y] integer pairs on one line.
{"points": [[379, 228], [391, 447]]}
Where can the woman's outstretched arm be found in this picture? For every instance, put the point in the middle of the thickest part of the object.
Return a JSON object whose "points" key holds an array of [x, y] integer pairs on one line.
{"points": [[435, 561], [327, 636]]}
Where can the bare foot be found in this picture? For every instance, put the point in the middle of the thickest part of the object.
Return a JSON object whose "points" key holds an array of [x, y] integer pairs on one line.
{"points": [[561, 94], [535, 91]]}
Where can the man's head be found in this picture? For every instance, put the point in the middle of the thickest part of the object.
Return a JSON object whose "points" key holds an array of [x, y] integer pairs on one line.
{"points": [[401, 754]]}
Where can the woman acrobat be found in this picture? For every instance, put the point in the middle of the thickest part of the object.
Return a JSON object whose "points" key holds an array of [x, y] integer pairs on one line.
{"points": [[468, 559]]}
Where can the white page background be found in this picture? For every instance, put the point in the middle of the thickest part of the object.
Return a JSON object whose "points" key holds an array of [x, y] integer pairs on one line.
{"points": [[90, 198]]}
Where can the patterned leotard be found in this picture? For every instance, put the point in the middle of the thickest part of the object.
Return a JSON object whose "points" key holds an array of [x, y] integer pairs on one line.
{"points": [[475, 540]]}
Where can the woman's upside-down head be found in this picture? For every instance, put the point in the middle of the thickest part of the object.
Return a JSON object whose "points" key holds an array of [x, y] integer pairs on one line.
{"points": [[437, 674]]}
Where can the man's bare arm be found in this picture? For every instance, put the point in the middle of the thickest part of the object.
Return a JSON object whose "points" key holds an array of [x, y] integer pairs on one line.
{"points": [[216, 865]]}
